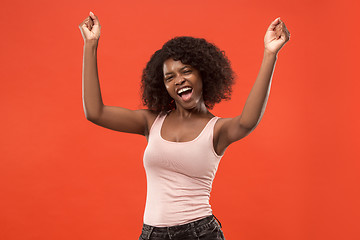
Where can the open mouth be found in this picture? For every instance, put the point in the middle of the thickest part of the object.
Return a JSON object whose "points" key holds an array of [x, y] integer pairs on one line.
{"points": [[185, 93]]}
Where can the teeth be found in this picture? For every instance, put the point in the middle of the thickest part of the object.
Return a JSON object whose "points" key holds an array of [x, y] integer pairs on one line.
{"points": [[183, 90]]}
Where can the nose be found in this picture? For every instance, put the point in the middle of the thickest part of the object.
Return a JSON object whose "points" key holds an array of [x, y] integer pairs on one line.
{"points": [[179, 80]]}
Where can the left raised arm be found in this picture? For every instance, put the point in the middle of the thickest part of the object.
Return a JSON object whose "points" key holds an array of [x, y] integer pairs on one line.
{"points": [[236, 128]]}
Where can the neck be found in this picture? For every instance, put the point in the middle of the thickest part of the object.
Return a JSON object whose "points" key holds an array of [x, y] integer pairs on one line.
{"points": [[187, 113]]}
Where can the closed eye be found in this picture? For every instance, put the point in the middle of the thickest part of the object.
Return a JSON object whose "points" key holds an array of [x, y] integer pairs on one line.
{"points": [[168, 78]]}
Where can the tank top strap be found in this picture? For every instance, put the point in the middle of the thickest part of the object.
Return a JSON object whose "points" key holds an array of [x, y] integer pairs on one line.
{"points": [[209, 128], [212, 122], [156, 126]]}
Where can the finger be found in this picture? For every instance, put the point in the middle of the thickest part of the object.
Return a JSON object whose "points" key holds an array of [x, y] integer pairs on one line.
{"points": [[284, 34], [91, 23], [283, 26], [84, 23], [94, 18], [88, 25], [285, 31], [287, 35], [274, 24]]}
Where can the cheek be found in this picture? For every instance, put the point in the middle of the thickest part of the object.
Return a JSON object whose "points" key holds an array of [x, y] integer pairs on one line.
{"points": [[199, 85], [168, 89], [198, 82]]}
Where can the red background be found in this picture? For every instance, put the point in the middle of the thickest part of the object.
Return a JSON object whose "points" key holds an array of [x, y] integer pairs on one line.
{"points": [[295, 177]]}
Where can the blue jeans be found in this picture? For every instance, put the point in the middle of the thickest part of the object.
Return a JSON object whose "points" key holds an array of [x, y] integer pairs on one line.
{"points": [[208, 228]]}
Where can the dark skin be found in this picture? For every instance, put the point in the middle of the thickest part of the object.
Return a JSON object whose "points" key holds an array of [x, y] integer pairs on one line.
{"points": [[191, 115]]}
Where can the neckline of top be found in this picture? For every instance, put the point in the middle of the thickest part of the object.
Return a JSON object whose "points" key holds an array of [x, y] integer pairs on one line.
{"points": [[190, 141]]}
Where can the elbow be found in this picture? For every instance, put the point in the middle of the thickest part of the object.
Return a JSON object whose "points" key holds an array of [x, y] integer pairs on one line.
{"points": [[92, 114], [91, 118], [92, 111]]}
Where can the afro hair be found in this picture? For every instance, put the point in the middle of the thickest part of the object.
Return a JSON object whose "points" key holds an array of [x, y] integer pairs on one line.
{"points": [[212, 64]]}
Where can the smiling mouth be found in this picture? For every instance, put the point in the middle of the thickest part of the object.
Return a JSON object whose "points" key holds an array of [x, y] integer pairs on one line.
{"points": [[185, 93]]}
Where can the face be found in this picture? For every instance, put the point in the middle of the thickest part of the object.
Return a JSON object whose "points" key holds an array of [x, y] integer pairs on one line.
{"points": [[183, 84]]}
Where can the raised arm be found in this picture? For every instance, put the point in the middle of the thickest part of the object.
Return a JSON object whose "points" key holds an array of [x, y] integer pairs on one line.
{"points": [[236, 128], [115, 118]]}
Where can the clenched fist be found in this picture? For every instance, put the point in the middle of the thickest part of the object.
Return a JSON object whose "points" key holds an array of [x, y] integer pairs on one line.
{"points": [[90, 28], [276, 36]]}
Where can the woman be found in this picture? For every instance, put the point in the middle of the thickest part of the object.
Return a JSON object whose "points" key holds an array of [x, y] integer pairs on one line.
{"points": [[181, 82]]}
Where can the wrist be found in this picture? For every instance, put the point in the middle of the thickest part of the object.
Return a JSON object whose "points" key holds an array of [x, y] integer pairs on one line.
{"points": [[270, 54], [93, 43]]}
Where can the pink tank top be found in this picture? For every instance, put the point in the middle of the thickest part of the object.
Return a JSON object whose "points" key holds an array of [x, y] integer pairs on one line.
{"points": [[179, 176]]}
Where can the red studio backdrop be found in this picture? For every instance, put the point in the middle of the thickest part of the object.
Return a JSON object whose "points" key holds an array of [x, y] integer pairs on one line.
{"points": [[295, 177]]}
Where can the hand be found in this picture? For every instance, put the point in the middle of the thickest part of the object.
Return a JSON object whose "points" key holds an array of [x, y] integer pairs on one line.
{"points": [[276, 36], [90, 28]]}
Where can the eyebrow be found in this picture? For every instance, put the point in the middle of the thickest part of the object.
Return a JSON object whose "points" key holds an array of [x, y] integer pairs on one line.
{"points": [[186, 66]]}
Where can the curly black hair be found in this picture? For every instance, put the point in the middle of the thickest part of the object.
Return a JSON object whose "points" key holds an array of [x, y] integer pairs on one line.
{"points": [[212, 64]]}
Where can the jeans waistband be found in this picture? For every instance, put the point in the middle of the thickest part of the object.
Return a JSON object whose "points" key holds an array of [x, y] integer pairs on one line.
{"points": [[183, 226], [194, 227]]}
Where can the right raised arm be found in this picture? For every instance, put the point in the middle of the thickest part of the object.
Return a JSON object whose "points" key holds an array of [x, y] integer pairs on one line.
{"points": [[115, 118]]}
